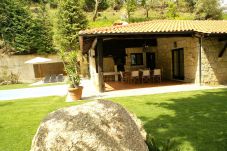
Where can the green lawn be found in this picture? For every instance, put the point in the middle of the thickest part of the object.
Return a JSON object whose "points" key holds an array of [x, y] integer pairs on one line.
{"points": [[19, 120], [194, 120], [26, 85]]}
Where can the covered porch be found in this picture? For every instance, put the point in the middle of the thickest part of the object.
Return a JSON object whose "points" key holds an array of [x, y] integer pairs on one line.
{"points": [[174, 56]]}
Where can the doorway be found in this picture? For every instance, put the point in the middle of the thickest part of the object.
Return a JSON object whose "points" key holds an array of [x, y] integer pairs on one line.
{"points": [[178, 63], [150, 60]]}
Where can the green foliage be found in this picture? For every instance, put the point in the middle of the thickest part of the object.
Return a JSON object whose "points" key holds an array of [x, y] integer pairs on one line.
{"points": [[208, 9], [225, 16], [72, 66], [89, 5], [23, 32], [70, 21], [172, 10], [134, 19], [152, 144], [101, 23], [15, 28], [42, 33], [191, 4], [53, 3], [130, 7]]}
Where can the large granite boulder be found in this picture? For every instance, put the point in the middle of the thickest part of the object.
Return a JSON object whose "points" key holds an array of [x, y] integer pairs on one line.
{"points": [[94, 126]]}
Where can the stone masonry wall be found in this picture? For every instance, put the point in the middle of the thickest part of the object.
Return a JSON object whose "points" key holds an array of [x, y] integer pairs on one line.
{"points": [[214, 69], [164, 56], [128, 65]]}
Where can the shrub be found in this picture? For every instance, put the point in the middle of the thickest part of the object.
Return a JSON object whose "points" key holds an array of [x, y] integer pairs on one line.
{"points": [[153, 146], [8, 77]]}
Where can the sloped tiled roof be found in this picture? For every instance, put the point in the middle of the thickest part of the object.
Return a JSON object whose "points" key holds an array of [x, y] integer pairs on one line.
{"points": [[163, 26]]}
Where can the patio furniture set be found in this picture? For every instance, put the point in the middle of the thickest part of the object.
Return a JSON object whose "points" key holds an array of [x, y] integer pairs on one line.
{"points": [[53, 78], [141, 76], [135, 76]]}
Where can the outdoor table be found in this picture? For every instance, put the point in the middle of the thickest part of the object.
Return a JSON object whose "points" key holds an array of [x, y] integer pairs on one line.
{"points": [[115, 74]]}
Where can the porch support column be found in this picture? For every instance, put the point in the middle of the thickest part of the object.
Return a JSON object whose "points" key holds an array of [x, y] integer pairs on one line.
{"points": [[100, 65], [200, 59]]}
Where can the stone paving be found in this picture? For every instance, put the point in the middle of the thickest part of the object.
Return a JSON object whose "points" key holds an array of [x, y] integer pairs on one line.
{"points": [[89, 92], [165, 87]]}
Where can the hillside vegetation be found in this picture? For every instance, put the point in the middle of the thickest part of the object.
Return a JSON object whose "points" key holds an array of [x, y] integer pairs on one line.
{"points": [[30, 26]]}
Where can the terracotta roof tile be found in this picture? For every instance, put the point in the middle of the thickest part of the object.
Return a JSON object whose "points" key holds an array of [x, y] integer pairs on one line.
{"points": [[163, 26]]}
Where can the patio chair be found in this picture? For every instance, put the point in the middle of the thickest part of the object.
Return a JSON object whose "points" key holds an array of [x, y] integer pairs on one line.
{"points": [[46, 79], [134, 76], [60, 78], [124, 76], [53, 78], [157, 75], [146, 76]]}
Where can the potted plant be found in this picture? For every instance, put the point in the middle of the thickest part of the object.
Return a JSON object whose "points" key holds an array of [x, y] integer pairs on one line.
{"points": [[70, 20], [72, 69]]}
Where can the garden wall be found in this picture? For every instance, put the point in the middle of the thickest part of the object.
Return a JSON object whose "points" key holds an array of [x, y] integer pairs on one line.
{"points": [[16, 64]]}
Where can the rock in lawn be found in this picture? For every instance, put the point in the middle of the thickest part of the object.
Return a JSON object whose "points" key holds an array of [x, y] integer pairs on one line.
{"points": [[94, 126]]}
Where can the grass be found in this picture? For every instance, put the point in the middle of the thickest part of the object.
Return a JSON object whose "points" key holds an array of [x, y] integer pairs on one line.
{"points": [[225, 16], [13, 86], [19, 120], [109, 16], [194, 120], [26, 85]]}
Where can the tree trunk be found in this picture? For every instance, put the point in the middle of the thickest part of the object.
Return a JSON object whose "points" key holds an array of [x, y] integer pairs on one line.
{"points": [[128, 15], [96, 10], [147, 13]]}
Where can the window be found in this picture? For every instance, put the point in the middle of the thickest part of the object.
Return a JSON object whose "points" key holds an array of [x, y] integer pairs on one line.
{"points": [[136, 59]]}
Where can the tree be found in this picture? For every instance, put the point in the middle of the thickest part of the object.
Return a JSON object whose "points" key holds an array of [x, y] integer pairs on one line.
{"points": [[130, 7], [191, 4], [97, 2], [147, 5], [42, 35], [15, 26], [162, 5], [172, 10], [23, 33], [89, 5], [95, 6], [70, 21], [208, 9]]}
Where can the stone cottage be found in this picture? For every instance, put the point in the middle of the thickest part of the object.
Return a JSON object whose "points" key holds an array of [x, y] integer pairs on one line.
{"points": [[189, 51]]}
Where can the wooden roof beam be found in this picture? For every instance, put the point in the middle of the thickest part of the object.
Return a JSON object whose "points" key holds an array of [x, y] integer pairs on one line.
{"points": [[223, 51]]}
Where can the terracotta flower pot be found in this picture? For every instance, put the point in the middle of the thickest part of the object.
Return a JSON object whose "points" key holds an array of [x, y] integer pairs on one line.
{"points": [[75, 93]]}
